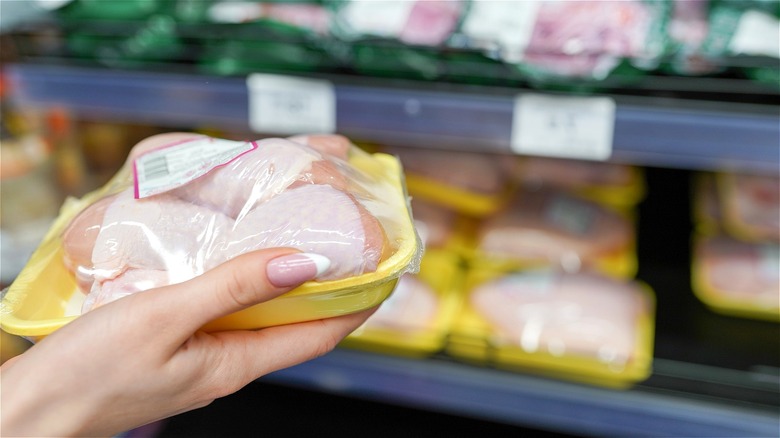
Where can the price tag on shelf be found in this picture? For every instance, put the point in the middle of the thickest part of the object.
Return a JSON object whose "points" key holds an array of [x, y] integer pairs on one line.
{"points": [[563, 126], [289, 105]]}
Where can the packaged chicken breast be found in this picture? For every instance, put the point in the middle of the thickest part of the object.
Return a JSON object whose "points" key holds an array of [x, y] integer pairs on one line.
{"points": [[416, 319], [750, 205], [442, 229], [737, 278], [551, 40], [185, 203], [471, 183], [584, 327], [558, 229], [615, 184]]}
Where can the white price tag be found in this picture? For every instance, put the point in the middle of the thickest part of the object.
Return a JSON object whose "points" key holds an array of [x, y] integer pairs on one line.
{"points": [[287, 105], [563, 126]]}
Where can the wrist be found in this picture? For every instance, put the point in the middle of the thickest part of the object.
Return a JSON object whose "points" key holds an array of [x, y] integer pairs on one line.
{"points": [[31, 408]]}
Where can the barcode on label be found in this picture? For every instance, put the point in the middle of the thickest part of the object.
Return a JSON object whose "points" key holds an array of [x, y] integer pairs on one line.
{"points": [[156, 168], [174, 165]]}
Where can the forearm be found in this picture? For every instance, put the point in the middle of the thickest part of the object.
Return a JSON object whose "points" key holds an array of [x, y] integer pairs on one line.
{"points": [[28, 408]]}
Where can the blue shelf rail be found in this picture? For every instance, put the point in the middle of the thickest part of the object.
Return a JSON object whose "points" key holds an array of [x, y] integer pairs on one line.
{"points": [[525, 400], [661, 132]]}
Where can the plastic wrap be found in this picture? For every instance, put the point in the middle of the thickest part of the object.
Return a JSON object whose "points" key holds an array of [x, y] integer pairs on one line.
{"points": [[582, 326], [736, 277], [558, 229], [413, 22], [417, 317], [582, 39], [610, 183], [750, 205], [736, 263], [467, 182], [185, 203]]}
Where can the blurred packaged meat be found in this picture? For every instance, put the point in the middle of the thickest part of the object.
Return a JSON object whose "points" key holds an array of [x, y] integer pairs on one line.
{"points": [[582, 326]]}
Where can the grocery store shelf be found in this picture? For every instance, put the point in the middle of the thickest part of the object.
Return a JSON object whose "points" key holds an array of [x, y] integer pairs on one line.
{"points": [[651, 131], [524, 400]]}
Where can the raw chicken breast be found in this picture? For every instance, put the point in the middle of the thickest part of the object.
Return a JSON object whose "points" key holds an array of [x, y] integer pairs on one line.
{"points": [[282, 194], [258, 176], [314, 218], [130, 282], [332, 144], [160, 233]]}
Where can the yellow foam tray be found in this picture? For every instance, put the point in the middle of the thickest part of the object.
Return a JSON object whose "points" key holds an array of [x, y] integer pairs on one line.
{"points": [[719, 300], [459, 199], [442, 271]]}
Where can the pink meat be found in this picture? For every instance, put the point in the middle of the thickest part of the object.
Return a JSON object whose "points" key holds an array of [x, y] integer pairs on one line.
{"points": [[253, 177], [314, 218], [474, 172], [331, 144], [563, 315], [129, 282], [159, 233], [431, 23], [571, 174], [591, 27], [752, 204], [554, 227], [740, 271], [283, 194], [412, 306]]}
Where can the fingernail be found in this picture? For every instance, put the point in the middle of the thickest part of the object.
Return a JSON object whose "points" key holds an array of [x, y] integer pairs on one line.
{"points": [[294, 269]]}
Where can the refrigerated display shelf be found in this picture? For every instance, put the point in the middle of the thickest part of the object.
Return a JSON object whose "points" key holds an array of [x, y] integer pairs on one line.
{"points": [[527, 401], [650, 131], [712, 375]]}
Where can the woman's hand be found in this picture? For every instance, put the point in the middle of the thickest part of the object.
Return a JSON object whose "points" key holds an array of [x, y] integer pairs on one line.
{"points": [[142, 358]]}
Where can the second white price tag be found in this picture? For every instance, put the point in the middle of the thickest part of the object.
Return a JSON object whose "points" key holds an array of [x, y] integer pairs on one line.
{"points": [[563, 126], [288, 105]]}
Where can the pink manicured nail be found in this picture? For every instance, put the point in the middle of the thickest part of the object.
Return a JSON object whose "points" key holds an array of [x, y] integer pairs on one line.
{"points": [[294, 269]]}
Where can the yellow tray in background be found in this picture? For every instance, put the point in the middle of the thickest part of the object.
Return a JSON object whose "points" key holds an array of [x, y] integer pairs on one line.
{"points": [[719, 300], [461, 200], [472, 339], [620, 197], [622, 263], [443, 272], [45, 297], [732, 221]]}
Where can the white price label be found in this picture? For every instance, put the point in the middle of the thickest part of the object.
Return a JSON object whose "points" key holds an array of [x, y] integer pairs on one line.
{"points": [[288, 105], [563, 127]]}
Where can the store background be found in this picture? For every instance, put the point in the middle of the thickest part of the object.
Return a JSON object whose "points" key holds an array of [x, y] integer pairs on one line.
{"points": [[81, 80]]}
